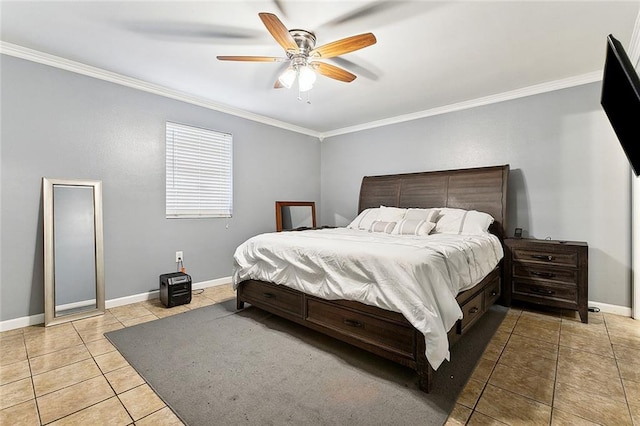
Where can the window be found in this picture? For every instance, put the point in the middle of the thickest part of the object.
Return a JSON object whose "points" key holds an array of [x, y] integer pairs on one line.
{"points": [[199, 172]]}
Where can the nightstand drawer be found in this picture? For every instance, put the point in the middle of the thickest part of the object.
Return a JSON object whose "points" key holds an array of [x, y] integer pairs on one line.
{"points": [[545, 272], [275, 296], [545, 290], [551, 257]]}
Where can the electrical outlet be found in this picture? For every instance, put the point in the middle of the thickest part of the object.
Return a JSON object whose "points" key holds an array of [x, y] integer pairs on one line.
{"points": [[179, 256]]}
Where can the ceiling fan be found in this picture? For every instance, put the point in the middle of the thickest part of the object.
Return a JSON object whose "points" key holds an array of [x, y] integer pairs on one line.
{"points": [[303, 55]]}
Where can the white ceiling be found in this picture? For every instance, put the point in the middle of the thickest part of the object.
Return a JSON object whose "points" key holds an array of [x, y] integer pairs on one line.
{"points": [[429, 55]]}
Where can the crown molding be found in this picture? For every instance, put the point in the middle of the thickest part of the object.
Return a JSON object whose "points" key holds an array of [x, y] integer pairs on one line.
{"points": [[634, 56], [90, 71], [62, 63], [492, 99]]}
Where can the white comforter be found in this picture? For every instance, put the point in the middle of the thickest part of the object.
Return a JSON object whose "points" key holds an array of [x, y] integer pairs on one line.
{"points": [[416, 276]]}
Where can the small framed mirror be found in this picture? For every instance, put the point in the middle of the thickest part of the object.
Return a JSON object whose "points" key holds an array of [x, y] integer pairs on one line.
{"points": [[295, 215], [73, 250]]}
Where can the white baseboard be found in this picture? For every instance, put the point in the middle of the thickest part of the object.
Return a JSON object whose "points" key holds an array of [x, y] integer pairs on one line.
{"points": [[154, 294], [611, 309], [121, 301], [21, 322]]}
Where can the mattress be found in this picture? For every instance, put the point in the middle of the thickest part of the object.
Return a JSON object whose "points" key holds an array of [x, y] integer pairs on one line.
{"points": [[417, 276]]}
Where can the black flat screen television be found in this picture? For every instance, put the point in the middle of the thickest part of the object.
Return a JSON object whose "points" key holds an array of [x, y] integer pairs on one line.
{"points": [[621, 100]]}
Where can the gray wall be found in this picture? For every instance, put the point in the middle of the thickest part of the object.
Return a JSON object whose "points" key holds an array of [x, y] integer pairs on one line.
{"points": [[59, 124], [569, 177]]}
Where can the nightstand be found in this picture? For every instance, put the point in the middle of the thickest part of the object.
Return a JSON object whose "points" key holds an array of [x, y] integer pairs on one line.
{"points": [[547, 272]]}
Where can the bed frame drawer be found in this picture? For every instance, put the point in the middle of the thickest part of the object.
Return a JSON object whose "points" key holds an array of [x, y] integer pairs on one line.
{"points": [[471, 311], [273, 296], [373, 330], [492, 293]]}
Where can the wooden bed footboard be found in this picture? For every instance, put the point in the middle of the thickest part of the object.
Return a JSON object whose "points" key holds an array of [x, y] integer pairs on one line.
{"points": [[384, 333]]}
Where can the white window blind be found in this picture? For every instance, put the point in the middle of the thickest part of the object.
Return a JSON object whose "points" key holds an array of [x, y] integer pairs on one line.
{"points": [[199, 172]]}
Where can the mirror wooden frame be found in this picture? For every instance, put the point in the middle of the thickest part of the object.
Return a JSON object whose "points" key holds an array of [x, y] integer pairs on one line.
{"points": [[281, 204], [48, 185]]}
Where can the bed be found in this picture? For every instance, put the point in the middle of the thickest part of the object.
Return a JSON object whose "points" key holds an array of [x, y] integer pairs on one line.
{"points": [[378, 322]]}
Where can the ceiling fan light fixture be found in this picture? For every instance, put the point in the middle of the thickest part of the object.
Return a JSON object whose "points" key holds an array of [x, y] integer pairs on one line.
{"points": [[288, 77], [302, 54], [306, 78]]}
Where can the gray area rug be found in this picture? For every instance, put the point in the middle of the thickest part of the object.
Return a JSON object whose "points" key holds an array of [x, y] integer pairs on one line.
{"points": [[218, 366]]}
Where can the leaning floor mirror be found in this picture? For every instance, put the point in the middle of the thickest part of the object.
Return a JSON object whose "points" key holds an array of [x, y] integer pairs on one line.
{"points": [[73, 250]]}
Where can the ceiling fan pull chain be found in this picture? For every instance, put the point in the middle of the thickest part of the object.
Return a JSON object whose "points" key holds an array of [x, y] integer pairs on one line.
{"points": [[308, 96]]}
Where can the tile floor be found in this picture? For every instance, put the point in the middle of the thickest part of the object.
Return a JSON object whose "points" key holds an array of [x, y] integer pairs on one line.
{"points": [[548, 368], [69, 374], [540, 368]]}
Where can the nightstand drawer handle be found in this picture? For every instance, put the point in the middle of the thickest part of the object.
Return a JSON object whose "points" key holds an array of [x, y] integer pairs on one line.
{"points": [[269, 295], [352, 323], [546, 257], [542, 291], [473, 310], [494, 293], [543, 274]]}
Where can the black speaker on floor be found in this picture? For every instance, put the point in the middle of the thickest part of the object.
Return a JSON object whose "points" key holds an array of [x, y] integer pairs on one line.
{"points": [[175, 289]]}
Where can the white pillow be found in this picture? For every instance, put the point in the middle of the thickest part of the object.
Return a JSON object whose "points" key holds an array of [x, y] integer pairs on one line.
{"points": [[380, 226], [413, 227], [458, 221], [391, 214], [428, 215], [365, 219]]}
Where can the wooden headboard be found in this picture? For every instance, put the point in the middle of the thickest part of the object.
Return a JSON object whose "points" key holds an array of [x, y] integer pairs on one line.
{"points": [[483, 189]]}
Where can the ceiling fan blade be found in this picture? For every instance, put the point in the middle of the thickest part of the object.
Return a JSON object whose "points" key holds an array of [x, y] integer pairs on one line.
{"points": [[279, 31], [364, 12], [334, 72], [251, 58], [344, 45], [192, 32], [362, 71], [278, 85], [280, 6]]}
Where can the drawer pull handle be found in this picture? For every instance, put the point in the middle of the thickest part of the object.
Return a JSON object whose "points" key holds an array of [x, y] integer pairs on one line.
{"points": [[542, 291], [269, 295], [352, 323], [545, 257], [473, 310], [543, 274], [494, 293]]}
